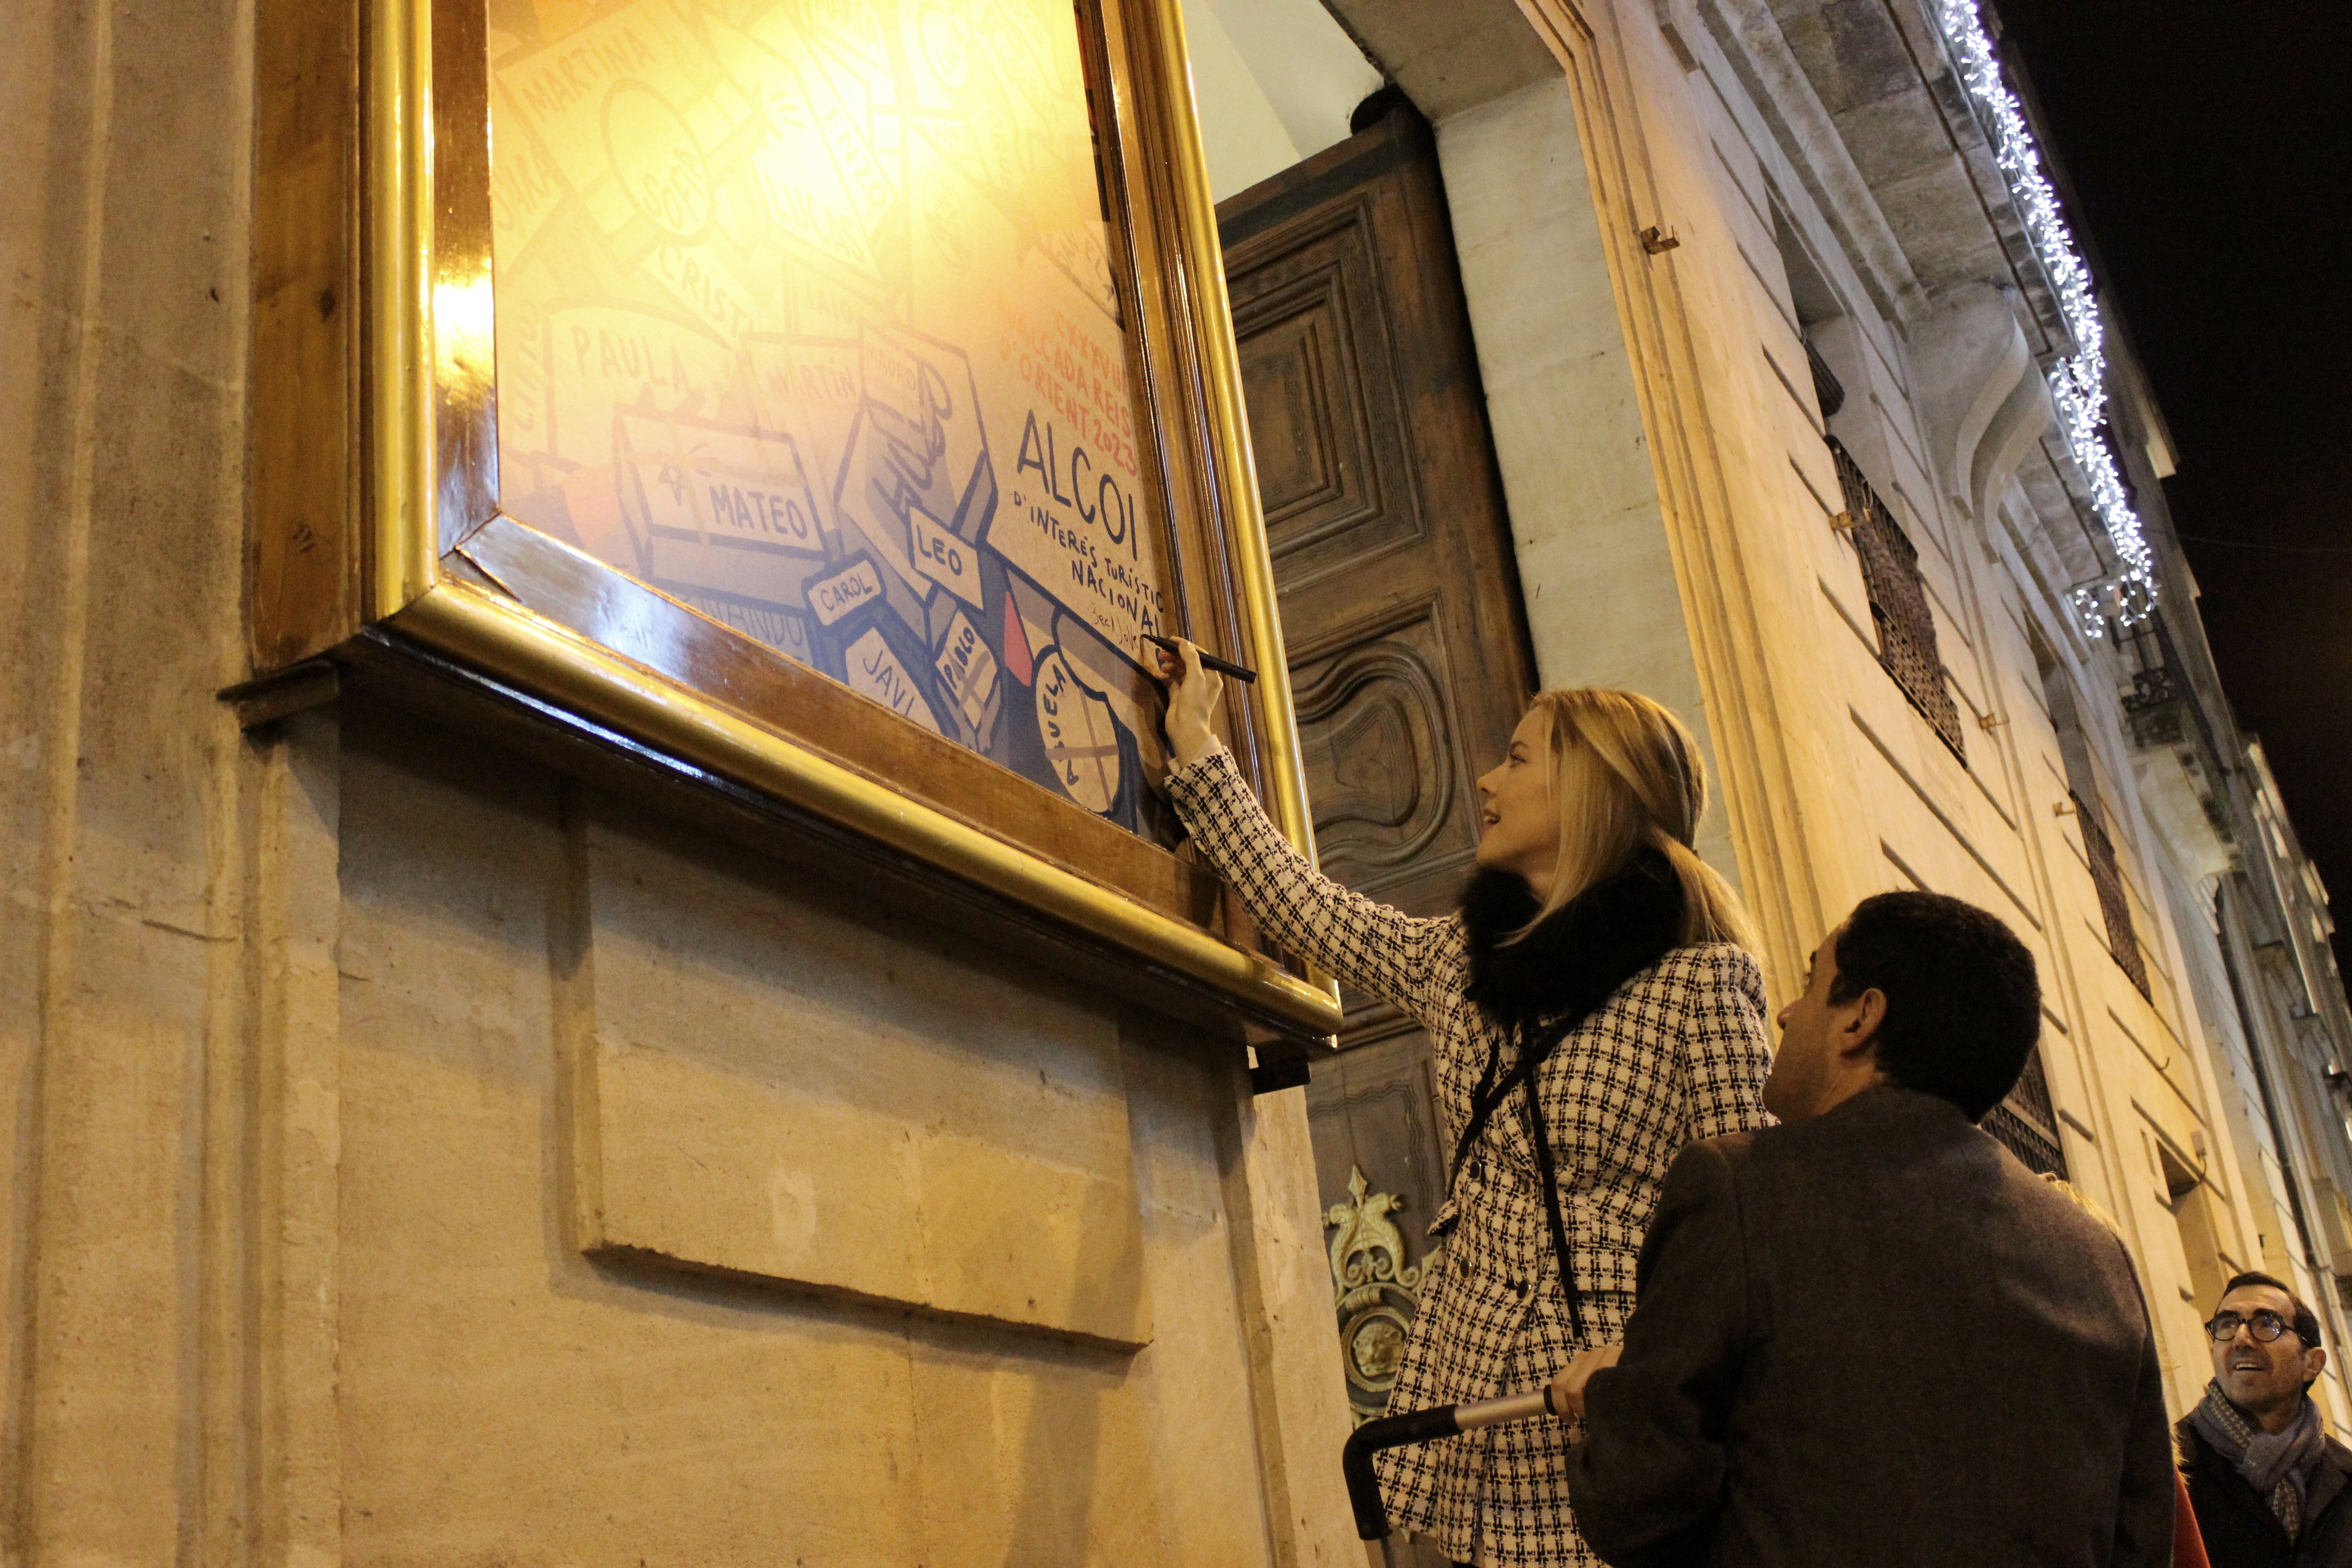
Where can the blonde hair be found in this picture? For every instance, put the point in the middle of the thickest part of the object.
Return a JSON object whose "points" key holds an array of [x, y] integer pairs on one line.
{"points": [[1626, 776]]}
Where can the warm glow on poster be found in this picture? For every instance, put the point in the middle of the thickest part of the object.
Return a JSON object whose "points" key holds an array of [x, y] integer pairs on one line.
{"points": [[806, 317]]}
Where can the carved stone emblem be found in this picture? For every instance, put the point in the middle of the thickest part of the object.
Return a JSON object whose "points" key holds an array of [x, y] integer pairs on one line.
{"points": [[1376, 1291]]}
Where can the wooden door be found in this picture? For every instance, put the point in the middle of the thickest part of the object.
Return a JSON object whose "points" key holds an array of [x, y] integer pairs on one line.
{"points": [[1400, 606]]}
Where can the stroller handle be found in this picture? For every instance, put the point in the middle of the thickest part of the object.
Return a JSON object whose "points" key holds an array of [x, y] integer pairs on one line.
{"points": [[1420, 1426]]}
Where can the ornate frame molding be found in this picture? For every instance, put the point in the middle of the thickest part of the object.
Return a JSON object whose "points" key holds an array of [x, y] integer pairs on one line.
{"points": [[375, 467]]}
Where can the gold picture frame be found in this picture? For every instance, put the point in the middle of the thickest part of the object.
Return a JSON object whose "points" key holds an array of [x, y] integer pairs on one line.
{"points": [[378, 518]]}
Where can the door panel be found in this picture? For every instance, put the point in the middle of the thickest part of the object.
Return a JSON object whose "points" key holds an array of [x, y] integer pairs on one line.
{"points": [[1335, 476], [1383, 769]]}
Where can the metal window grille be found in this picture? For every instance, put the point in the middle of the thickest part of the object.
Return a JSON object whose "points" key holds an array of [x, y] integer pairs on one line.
{"points": [[1828, 390], [1898, 604], [2025, 1122], [2107, 876]]}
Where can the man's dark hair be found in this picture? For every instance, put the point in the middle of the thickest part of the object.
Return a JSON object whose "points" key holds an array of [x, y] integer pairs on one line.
{"points": [[1963, 1005], [2306, 1321]]}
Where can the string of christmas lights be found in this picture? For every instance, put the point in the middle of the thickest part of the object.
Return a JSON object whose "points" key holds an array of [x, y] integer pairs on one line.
{"points": [[2078, 382]]}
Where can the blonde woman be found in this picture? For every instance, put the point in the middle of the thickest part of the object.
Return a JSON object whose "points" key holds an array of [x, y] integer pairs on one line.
{"points": [[1595, 956]]}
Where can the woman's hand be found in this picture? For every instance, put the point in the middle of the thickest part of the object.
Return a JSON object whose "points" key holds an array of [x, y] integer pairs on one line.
{"points": [[1192, 697], [1567, 1390]]}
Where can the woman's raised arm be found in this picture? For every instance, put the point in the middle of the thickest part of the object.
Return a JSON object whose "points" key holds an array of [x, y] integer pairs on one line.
{"points": [[1367, 945]]}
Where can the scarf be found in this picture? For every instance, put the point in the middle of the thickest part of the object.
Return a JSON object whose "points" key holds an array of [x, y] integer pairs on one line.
{"points": [[1583, 951], [2277, 1465]]}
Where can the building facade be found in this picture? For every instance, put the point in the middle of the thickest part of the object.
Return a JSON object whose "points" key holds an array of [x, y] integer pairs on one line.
{"points": [[1695, 346], [1849, 551]]}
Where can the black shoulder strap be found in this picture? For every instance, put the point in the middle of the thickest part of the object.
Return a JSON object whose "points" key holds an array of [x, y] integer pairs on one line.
{"points": [[1540, 1136], [1489, 1096], [1490, 1093]]}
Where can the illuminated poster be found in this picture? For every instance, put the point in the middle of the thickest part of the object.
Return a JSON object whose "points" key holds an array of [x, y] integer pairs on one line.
{"points": [[805, 318]]}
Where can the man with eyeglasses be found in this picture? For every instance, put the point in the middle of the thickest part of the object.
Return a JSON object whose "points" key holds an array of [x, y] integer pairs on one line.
{"points": [[2266, 1481]]}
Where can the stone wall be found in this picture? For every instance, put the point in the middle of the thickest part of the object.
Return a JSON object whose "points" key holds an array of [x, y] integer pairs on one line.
{"points": [[504, 1394], [127, 803], [299, 1031], [1603, 604], [1767, 138]]}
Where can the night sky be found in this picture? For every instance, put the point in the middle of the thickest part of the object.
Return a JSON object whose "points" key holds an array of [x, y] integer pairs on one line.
{"points": [[2208, 148]]}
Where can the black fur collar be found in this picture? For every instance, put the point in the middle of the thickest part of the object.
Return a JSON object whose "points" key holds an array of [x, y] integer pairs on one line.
{"points": [[1568, 966]]}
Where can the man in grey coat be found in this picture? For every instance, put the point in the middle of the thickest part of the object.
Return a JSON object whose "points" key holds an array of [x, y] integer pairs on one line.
{"points": [[1869, 1336]]}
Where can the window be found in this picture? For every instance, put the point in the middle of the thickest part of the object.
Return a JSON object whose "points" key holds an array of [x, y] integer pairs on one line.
{"points": [[2115, 903], [2081, 788], [2025, 1122], [2191, 1198], [1898, 604]]}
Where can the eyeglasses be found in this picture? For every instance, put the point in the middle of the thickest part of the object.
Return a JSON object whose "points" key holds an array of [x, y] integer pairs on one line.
{"points": [[2267, 1325]]}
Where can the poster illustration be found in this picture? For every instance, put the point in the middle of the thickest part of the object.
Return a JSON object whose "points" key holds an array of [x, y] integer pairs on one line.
{"points": [[807, 318]]}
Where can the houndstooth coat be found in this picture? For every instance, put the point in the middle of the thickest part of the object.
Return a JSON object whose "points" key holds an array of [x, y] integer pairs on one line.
{"points": [[1677, 1054]]}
